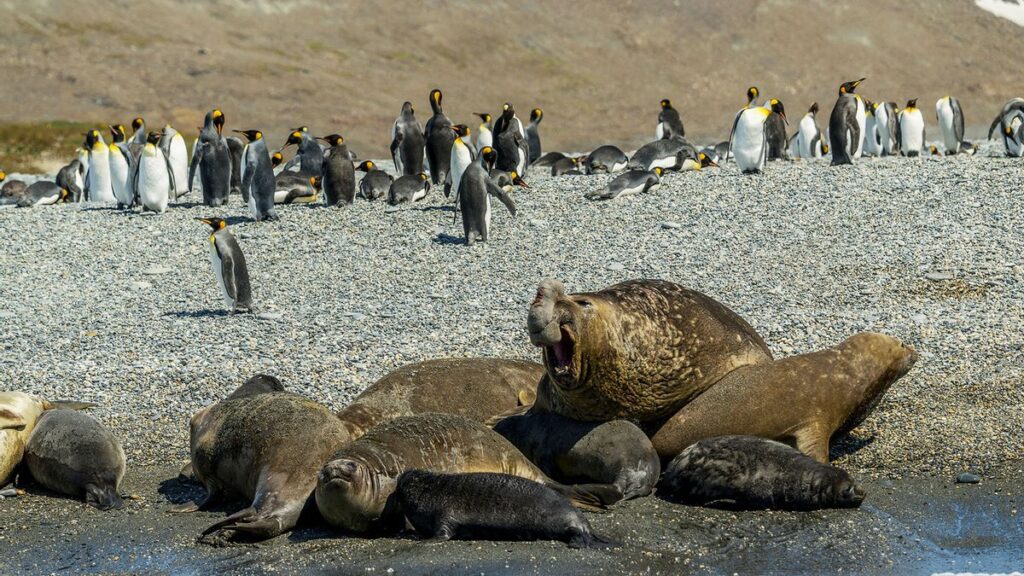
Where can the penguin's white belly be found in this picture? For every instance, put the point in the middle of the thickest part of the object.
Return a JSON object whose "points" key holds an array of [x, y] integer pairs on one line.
{"points": [[484, 138], [179, 165], [487, 215], [153, 182], [119, 184], [100, 189], [871, 145], [218, 271], [659, 131], [663, 163], [619, 166], [748, 142], [1014, 146], [862, 123], [634, 189], [807, 131], [944, 114], [912, 131], [46, 200], [882, 127], [419, 194], [461, 158]]}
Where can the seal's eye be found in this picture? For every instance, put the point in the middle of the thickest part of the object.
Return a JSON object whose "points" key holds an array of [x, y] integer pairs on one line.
{"points": [[585, 303]]}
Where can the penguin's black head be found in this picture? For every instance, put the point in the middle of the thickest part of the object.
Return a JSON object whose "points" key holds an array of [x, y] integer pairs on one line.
{"points": [[153, 137], [666, 104], [251, 135], [536, 115], [483, 116], [706, 160], [508, 110], [276, 158], [218, 120], [813, 109], [117, 132], [300, 129], [489, 156], [517, 179], [911, 104], [850, 87], [215, 223], [461, 130], [407, 108], [91, 138], [779, 109], [137, 124], [869, 107], [366, 166], [333, 139], [752, 94], [435, 99], [294, 138]]}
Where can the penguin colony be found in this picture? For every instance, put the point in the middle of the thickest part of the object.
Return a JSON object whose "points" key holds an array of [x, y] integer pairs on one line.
{"points": [[149, 170]]}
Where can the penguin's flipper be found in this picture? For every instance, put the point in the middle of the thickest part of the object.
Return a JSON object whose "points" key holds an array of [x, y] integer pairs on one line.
{"points": [[170, 178], [194, 164], [732, 133], [227, 266], [396, 152], [958, 120], [501, 195], [996, 122]]}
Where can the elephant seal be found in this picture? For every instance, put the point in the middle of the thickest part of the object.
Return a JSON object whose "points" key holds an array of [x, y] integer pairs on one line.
{"points": [[488, 506], [19, 413], [354, 490], [264, 445], [477, 388], [638, 350], [615, 452], [802, 400], [72, 453], [751, 473]]}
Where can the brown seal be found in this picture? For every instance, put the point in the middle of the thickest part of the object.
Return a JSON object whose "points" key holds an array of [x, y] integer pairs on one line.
{"points": [[477, 388], [19, 414], [638, 350], [266, 446], [354, 490], [615, 452], [802, 401]]}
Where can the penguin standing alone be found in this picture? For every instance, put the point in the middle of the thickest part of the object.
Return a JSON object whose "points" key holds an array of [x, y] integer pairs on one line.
{"points": [[844, 125], [748, 142], [229, 266], [951, 121], [475, 191], [911, 129], [212, 159], [439, 138], [154, 178], [484, 137], [339, 182], [258, 176], [533, 133], [670, 125], [510, 141], [808, 136], [407, 142]]}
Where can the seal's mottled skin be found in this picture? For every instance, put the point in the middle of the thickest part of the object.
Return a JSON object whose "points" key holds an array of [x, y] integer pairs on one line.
{"points": [[638, 350], [265, 446], [477, 388], [491, 507], [615, 452], [355, 486], [19, 414], [751, 473], [72, 453], [802, 401]]}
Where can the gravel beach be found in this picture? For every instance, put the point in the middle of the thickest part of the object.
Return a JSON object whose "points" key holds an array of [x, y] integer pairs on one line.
{"points": [[123, 310]]}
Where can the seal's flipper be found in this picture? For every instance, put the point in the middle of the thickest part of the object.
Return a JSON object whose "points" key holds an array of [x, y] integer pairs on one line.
{"points": [[243, 515], [195, 505], [518, 411], [591, 497], [103, 497], [186, 473], [11, 421], [67, 405], [261, 529], [580, 539]]}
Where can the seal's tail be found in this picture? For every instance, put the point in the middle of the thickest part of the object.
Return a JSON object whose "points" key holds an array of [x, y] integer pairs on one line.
{"points": [[592, 497]]}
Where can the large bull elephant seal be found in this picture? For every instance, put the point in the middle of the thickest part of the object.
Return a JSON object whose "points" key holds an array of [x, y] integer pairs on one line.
{"points": [[802, 401], [639, 350], [266, 446], [477, 388]]}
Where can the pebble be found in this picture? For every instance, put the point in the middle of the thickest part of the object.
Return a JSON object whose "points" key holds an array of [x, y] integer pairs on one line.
{"points": [[270, 316], [967, 478], [616, 267], [671, 225], [939, 276], [155, 270]]}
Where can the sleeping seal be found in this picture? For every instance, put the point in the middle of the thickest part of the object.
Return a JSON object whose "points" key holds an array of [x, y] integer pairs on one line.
{"points": [[802, 401], [754, 474], [477, 388], [354, 490], [488, 506], [72, 453], [266, 446], [19, 413]]}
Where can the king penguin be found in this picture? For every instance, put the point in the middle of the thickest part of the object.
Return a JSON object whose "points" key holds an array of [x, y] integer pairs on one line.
{"points": [[886, 126], [775, 134], [951, 121], [748, 142], [461, 158], [510, 141], [376, 183], [229, 267], [154, 179], [484, 137], [872, 143], [439, 136], [258, 176], [99, 182], [70, 177], [212, 159], [628, 183], [670, 124], [310, 154], [808, 136], [121, 168], [844, 125], [752, 94], [172, 144], [407, 142], [1009, 120], [339, 182], [911, 130], [43, 193], [475, 191], [533, 134]]}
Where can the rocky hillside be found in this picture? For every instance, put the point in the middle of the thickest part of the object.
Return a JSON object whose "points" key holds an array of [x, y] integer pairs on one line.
{"points": [[598, 68]]}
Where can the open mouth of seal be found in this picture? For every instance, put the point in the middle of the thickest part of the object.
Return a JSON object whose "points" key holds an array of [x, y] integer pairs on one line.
{"points": [[561, 355]]}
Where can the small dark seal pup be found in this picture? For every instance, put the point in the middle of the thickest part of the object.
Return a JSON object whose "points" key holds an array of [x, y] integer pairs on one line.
{"points": [[751, 473], [490, 506]]}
